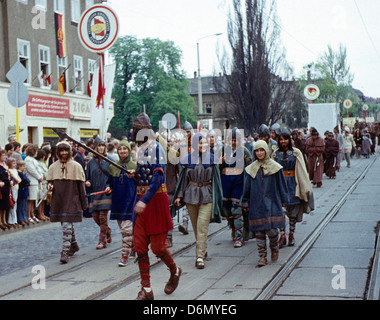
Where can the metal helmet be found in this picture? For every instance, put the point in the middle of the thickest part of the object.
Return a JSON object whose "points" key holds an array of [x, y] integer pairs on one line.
{"points": [[263, 131], [276, 128], [187, 126]]}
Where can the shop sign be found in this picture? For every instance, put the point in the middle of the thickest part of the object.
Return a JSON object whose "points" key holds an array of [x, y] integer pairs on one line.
{"points": [[44, 106]]}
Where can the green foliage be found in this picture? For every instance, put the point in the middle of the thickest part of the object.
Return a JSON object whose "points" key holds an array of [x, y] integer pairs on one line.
{"points": [[148, 74]]}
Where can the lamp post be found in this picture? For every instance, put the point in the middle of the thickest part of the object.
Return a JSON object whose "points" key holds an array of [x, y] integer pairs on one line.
{"points": [[200, 102]]}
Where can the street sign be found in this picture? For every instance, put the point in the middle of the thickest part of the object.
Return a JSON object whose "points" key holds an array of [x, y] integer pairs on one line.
{"points": [[18, 93], [98, 28]]}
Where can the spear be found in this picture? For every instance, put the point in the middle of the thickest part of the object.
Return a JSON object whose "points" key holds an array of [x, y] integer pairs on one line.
{"points": [[63, 135]]}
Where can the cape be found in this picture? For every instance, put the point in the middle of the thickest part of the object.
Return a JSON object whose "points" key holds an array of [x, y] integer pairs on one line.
{"points": [[70, 170]]}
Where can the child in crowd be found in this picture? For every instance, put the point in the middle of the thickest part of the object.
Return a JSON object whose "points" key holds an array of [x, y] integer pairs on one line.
{"points": [[22, 200], [12, 164]]}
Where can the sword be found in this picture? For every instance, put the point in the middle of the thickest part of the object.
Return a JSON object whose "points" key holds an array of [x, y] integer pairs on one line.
{"points": [[63, 135], [39, 202]]}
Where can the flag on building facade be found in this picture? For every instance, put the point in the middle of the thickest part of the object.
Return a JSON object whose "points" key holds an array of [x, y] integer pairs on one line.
{"points": [[62, 84], [101, 85], [178, 121], [60, 32], [89, 85]]}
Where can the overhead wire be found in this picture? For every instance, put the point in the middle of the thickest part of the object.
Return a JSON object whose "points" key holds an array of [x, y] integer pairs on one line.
{"points": [[366, 29]]}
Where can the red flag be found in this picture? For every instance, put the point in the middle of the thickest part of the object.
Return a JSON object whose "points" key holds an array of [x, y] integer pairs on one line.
{"points": [[48, 79], [200, 126], [178, 121], [89, 84], [101, 86]]}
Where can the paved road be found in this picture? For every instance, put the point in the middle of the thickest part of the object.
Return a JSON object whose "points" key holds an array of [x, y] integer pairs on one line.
{"points": [[230, 273]]}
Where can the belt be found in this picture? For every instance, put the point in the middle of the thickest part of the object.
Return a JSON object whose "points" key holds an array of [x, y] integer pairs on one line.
{"points": [[200, 184], [141, 190], [290, 173]]}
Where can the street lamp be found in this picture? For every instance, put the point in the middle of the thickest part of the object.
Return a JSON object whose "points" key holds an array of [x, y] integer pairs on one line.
{"points": [[200, 102]]}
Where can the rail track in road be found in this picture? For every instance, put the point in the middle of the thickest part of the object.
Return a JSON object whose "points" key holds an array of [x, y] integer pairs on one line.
{"points": [[282, 275]]}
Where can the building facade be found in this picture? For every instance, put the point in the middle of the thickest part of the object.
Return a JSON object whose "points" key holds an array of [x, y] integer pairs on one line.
{"points": [[28, 35]]}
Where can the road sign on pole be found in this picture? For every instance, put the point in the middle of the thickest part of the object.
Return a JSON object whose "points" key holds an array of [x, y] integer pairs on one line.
{"points": [[18, 93]]}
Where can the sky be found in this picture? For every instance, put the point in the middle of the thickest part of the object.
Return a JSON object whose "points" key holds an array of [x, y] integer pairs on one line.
{"points": [[307, 28]]}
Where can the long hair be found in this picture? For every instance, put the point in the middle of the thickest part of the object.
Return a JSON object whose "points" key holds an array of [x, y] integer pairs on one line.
{"points": [[285, 136]]}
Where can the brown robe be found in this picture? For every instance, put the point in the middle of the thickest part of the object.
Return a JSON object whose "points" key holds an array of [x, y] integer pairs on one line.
{"points": [[314, 151], [69, 192]]}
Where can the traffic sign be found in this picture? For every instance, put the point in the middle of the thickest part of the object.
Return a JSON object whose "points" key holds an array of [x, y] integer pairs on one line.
{"points": [[98, 28], [18, 93]]}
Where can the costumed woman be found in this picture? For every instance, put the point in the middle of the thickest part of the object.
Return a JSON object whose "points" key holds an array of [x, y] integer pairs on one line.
{"points": [[123, 187], [235, 159], [199, 187], [264, 194]]}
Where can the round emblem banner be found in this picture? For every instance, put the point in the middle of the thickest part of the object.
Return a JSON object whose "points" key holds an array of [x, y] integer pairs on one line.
{"points": [[311, 92], [347, 104], [98, 28]]}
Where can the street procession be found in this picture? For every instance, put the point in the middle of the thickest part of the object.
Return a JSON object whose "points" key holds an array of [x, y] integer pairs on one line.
{"points": [[120, 173]]}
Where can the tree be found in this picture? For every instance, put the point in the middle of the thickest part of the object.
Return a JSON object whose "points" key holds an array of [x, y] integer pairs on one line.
{"points": [[257, 74], [148, 73]]}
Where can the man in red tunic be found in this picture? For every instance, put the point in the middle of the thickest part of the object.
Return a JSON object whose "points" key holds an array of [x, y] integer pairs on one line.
{"points": [[153, 219]]}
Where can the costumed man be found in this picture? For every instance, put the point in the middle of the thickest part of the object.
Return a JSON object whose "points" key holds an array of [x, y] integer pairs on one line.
{"points": [[264, 134], [275, 131], [330, 155], [301, 199], [232, 176], [185, 149], [315, 146], [66, 181], [152, 215], [172, 173]]}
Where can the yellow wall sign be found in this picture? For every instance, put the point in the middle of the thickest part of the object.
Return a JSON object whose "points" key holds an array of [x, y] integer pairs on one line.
{"points": [[49, 133], [88, 133]]}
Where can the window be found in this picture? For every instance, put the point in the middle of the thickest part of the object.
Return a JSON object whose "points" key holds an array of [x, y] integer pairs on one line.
{"points": [[91, 67], [62, 65], [42, 4], [89, 4], [208, 108], [59, 6], [78, 74], [44, 58], [23, 51], [75, 10]]}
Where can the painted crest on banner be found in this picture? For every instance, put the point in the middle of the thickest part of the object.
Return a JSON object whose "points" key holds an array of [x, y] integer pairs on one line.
{"points": [[98, 28], [311, 92], [347, 104], [365, 107]]}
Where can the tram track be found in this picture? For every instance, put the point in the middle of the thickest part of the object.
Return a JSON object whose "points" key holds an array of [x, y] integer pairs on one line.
{"points": [[270, 289]]}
